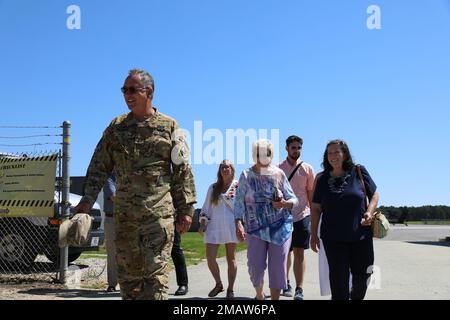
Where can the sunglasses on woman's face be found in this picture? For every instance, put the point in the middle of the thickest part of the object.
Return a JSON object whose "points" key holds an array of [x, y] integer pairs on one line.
{"points": [[131, 90]]}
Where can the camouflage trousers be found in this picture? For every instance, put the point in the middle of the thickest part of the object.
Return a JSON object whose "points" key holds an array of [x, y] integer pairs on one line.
{"points": [[143, 253]]}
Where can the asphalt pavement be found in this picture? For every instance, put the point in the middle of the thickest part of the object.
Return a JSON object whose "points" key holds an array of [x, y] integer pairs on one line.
{"points": [[411, 263]]}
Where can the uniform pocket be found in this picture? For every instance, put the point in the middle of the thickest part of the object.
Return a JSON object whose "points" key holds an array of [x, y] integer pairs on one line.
{"points": [[155, 240], [159, 240]]}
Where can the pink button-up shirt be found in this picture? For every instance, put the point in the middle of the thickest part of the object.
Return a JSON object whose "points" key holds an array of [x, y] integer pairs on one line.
{"points": [[301, 182]]}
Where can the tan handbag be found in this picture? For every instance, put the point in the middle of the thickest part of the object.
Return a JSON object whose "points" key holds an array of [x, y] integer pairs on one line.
{"points": [[380, 224]]}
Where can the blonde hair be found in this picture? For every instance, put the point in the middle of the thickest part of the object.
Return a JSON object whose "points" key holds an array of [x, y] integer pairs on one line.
{"points": [[218, 186], [265, 157]]}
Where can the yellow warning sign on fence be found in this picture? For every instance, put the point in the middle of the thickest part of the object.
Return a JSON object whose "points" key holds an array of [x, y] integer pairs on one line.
{"points": [[27, 186]]}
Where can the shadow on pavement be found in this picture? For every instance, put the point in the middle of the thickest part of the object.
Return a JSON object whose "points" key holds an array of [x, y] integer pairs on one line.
{"points": [[72, 293], [432, 243]]}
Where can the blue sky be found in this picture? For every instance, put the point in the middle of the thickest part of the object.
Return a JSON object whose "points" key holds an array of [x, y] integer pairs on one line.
{"points": [[310, 68]]}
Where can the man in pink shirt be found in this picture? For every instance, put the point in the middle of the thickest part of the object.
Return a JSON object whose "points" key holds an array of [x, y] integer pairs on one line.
{"points": [[301, 178]]}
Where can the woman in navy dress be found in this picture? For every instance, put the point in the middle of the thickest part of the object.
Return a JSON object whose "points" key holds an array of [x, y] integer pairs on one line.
{"points": [[345, 229]]}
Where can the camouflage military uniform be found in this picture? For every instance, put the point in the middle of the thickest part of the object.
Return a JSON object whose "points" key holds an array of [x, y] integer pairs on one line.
{"points": [[149, 187]]}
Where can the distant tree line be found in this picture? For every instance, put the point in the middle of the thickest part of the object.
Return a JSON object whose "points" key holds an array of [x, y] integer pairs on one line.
{"points": [[416, 213]]}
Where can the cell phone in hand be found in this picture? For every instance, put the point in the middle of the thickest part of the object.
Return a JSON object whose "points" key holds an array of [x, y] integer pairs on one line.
{"points": [[275, 195]]}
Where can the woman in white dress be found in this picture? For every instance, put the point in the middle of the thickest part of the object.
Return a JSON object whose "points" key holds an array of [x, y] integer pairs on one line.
{"points": [[218, 226]]}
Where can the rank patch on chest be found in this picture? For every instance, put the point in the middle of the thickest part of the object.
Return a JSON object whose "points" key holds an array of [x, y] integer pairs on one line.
{"points": [[160, 130]]}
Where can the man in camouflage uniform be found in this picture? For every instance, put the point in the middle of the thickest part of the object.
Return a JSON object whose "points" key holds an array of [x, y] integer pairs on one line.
{"points": [[153, 180]]}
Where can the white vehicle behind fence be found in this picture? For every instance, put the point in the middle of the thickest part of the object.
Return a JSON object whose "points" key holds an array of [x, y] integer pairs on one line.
{"points": [[23, 239]]}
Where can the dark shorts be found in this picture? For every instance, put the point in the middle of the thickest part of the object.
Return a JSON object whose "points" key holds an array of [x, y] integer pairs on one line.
{"points": [[301, 234]]}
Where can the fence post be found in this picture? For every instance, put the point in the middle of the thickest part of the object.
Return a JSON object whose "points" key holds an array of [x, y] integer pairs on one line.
{"points": [[65, 186]]}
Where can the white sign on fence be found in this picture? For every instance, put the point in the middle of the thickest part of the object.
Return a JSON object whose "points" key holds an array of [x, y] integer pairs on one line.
{"points": [[27, 186]]}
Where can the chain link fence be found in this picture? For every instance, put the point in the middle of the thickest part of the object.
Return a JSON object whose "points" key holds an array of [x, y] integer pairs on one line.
{"points": [[29, 250], [29, 244]]}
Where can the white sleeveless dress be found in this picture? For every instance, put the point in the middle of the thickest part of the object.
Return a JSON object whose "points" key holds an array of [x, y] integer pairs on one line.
{"points": [[220, 228]]}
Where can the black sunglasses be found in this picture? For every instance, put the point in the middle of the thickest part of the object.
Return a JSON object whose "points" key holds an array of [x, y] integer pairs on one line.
{"points": [[131, 90]]}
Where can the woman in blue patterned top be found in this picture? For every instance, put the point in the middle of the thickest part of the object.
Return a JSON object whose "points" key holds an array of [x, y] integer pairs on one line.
{"points": [[263, 218], [345, 229]]}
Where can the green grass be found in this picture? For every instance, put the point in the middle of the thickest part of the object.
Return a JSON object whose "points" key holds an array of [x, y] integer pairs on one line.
{"points": [[431, 222], [92, 255], [99, 254], [191, 242], [195, 251]]}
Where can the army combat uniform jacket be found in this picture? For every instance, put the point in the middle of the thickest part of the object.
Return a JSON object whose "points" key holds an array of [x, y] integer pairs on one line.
{"points": [[153, 179], [141, 153]]}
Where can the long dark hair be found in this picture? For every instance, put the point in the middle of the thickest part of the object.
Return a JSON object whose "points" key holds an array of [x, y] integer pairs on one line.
{"points": [[347, 165], [219, 184]]}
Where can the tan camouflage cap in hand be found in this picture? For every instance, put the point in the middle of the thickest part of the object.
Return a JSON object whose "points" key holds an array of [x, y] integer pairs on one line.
{"points": [[75, 231]]}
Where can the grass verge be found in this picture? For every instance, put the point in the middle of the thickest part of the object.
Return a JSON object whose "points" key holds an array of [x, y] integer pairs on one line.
{"points": [[195, 251], [191, 242], [430, 222]]}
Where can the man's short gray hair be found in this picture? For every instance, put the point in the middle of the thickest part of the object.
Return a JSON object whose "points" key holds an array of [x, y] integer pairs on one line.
{"points": [[146, 78]]}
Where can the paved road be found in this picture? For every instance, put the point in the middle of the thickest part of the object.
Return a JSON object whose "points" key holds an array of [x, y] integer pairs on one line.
{"points": [[418, 232], [411, 263]]}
